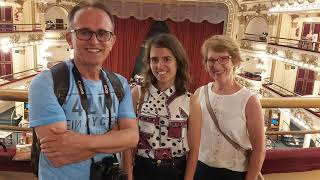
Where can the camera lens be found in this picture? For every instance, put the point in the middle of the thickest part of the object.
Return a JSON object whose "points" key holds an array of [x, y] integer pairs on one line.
{"points": [[120, 176], [115, 173]]}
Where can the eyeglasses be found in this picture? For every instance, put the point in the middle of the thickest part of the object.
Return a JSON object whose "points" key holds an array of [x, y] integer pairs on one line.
{"points": [[221, 60], [86, 34]]}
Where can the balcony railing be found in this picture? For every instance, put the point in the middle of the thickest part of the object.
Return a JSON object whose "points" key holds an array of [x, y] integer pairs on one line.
{"points": [[9, 28], [276, 160], [56, 26], [14, 77], [283, 92], [303, 44], [255, 37], [278, 89], [294, 43]]}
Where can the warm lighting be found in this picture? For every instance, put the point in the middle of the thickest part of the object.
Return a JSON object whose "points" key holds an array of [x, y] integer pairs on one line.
{"points": [[291, 61], [5, 49], [5, 45], [2, 3]]}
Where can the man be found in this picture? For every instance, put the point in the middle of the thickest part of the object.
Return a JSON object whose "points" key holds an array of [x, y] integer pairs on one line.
{"points": [[67, 142]]}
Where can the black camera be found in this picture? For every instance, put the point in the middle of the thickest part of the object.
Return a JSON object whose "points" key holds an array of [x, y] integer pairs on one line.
{"points": [[107, 169]]}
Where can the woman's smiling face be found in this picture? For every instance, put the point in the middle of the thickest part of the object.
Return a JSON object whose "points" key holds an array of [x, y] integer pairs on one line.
{"points": [[219, 66]]}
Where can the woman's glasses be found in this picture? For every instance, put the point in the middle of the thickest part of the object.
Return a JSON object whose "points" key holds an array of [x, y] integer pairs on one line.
{"points": [[221, 60]]}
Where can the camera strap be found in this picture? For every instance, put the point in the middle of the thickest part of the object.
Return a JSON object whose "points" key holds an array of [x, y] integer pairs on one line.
{"points": [[84, 98]]}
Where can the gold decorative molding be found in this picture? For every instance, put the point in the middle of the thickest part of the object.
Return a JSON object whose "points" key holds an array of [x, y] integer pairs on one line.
{"points": [[309, 59], [245, 19], [41, 7], [294, 16], [274, 51], [246, 45], [271, 19], [243, 8], [313, 60], [289, 2], [265, 93], [62, 36], [287, 66], [35, 37], [289, 54], [304, 58], [244, 82], [258, 8], [271, 50], [15, 38]]}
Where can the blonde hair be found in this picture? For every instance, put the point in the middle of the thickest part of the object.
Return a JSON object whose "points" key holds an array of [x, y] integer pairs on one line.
{"points": [[221, 43]]}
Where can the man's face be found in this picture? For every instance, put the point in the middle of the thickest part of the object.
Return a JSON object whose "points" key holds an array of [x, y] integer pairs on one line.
{"points": [[91, 52]]}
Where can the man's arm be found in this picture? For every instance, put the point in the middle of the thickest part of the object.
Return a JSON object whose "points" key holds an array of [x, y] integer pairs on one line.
{"points": [[127, 137], [45, 114], [63, 147], [61, 158], [68, 143]]}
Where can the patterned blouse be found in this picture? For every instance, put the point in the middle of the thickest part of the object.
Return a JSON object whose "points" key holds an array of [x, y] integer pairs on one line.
{"points": [[163, 124]]}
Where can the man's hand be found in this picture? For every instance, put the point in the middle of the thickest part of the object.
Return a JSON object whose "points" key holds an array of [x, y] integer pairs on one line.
{"points": [[61, 143]]}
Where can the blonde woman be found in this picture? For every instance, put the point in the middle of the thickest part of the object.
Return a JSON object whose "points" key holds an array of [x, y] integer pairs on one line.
{"points": [[238, 117]]}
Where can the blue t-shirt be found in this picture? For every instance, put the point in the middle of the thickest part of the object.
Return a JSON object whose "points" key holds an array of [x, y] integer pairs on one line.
{"points": [[44, 109]]}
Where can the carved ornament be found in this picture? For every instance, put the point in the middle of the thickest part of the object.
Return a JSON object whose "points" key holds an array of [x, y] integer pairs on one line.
{"points": [[258, 8], [246, 45], [289, 54], [35, 37], [272, 50], [42, 7], [244, 82], [62, 36], [15, 38], [309, 59]]}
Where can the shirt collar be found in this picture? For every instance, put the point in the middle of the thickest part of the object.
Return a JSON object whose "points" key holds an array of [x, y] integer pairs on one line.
{"points": [[156, 93]]}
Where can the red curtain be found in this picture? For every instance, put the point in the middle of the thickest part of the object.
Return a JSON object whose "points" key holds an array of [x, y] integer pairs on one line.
{"points": [[305, 29], [191, 36], [130, 34]]}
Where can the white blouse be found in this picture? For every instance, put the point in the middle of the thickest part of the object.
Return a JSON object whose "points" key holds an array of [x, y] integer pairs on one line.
{"points": [[215, 150]]}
